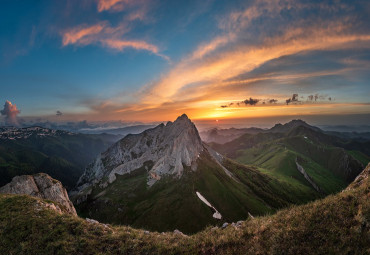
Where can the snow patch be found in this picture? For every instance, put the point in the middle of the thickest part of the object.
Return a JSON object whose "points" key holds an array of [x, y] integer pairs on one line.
{"points": [[216, 215]]}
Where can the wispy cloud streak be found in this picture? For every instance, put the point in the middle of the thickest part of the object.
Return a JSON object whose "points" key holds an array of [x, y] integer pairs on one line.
{"points": [[116, 5], [106, 36], [113, 37], [265, 30], [231, 54]]}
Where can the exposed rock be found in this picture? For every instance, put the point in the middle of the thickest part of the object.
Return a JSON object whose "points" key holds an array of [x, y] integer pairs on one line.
{"points": [[360, 179], [42, 204], [166, 147], [307, 177], [239, 224], [219, 159], [178, 232], [41, 186], [92, 221]]}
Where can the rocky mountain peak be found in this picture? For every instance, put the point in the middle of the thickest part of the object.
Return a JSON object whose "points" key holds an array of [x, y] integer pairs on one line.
{"points": [[41, 186], [298, 122], [183, 118], [163, 150]]}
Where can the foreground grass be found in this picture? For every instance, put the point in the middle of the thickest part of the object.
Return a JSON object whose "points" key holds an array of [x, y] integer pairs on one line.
{"points": [[338, 224]]}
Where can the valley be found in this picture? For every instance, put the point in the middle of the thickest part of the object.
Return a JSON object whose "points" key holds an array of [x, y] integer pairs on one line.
{"points": [[151, 181], [61, 154], [283, 150]]}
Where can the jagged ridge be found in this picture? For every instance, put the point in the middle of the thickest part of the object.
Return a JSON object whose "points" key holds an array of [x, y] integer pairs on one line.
{"points": [[168, 146]]}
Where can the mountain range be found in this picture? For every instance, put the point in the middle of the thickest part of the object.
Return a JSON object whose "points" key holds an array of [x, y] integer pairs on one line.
{"points": [[157, 179], [61, 154], [205, 198], [326, 163], [162, 177]]}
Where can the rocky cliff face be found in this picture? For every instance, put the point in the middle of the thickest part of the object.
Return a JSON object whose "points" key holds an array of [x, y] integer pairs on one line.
{"points": [[362, 178], [167, 148], [41, 186]]}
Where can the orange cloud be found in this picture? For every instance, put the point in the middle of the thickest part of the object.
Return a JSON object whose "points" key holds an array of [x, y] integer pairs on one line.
{"points": [[200, 83], [211, 46], [247, 58], [139, 7], [80, 34], [104, 5], [139, 45], [106, 36]]}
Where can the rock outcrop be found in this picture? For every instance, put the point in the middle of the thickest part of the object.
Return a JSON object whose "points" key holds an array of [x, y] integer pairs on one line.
{"points": [[163, 150], [41, 186], [307, 177], [362, 178]]}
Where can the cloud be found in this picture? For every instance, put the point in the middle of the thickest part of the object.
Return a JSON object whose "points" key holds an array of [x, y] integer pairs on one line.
{"points": [[106, 36], [115, 5], [266, 30], [82, 35], [240, 50], [112, 37], [10, 112], [293, 99], [251, 101], [317, 96], [310, 98], [211, 46], [273, 101], [122, 44], [59, 113], [245, 58], [134, 9], [107, 4]]}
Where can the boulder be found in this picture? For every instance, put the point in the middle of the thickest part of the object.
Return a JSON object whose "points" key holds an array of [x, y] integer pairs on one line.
{"points": [[42, 186]]}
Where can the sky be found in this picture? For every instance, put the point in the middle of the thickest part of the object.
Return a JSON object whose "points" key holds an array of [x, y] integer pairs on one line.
{"points": [[152, 60]]}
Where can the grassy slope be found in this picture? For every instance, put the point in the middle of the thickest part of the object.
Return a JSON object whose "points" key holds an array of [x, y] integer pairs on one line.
{"points": [[338, 224], [280, 162], [275, 155], [363, 158], [172, 203]]}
